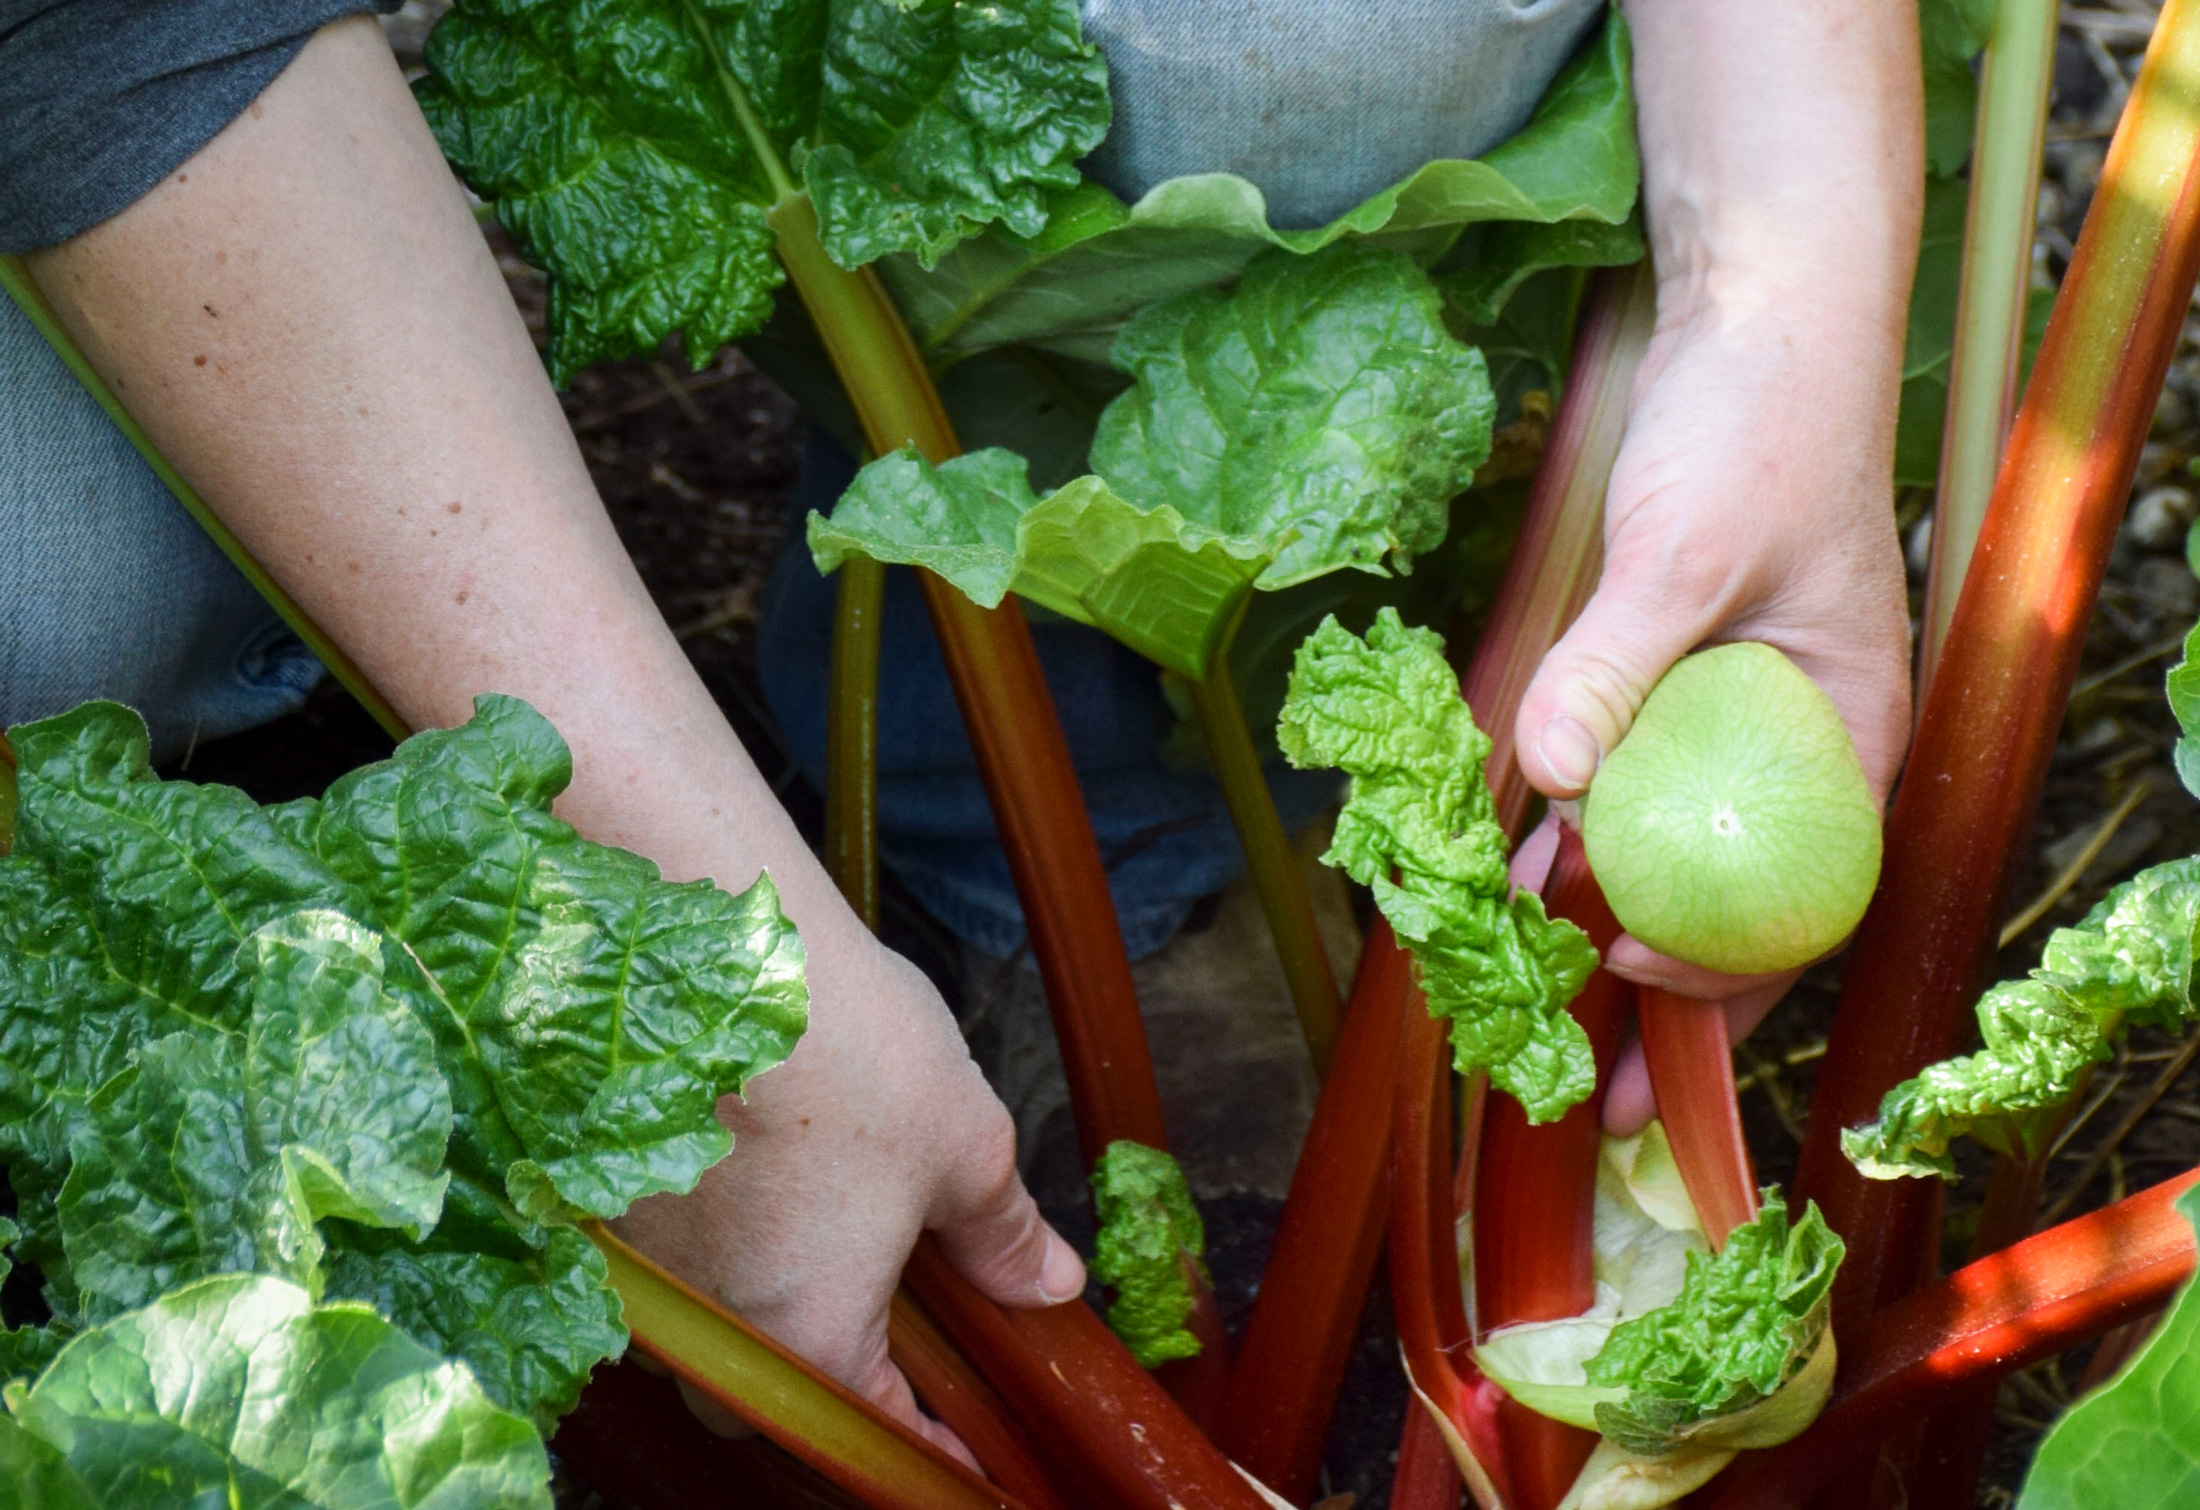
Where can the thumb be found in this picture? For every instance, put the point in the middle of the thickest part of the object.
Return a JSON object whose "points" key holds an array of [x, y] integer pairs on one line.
{"points": [[1587, 691], [992, 1232]]}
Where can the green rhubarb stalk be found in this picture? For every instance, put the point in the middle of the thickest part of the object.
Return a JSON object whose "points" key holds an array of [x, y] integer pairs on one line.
{"points": [[1277, 873], [881, 1462], [15, 277], [1984, 361]]}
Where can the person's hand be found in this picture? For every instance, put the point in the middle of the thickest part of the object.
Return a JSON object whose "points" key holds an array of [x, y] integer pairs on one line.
{"points": [[1750, 501], [878, 1127]]}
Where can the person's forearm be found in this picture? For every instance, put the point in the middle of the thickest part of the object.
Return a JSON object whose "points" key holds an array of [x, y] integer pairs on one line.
{"points": [[307, 321], [1782, 153]]}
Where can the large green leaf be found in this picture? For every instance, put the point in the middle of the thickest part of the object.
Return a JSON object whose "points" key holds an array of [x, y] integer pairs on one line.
{"points": [[1151, 1240], [635, 146], [1418, 828], [1320, 408], [451, 972], [1069, 288], [530, 1323], [1950, 33], [589, 1014], [2135, 1443], [343, 1113], [1164, 587], [1318, 416], [2183, 690], [239, 1391]]}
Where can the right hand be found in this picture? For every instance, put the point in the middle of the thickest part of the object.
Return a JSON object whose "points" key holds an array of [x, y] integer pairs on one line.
{"points": [[878, 1127]]}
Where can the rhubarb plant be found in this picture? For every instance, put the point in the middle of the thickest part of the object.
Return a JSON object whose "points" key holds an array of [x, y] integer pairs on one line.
{"points": [[1688, 1356], [386, 1046], [636, 151], [1151, 1243], [1419, 829]]}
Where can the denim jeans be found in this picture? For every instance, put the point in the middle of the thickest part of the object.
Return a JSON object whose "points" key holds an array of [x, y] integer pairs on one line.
{"points": [[108, 589]]}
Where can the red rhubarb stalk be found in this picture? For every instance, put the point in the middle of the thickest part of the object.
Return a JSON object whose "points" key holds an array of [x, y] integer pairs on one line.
{"points": [[1995, 705], [1424, 1268], [2030, 1301], [1553, 570], [881, 1462], [1537, 1263], [1082, 1398], [1692, 1074], [1427, 1475], [1023, 758], [952, 1391], [1291, 1362]]}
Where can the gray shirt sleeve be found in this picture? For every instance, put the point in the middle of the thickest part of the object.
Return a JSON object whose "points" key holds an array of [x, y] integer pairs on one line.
{"points": [[101, 99]]}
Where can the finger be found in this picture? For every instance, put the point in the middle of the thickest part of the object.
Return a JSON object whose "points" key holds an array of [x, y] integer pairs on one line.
{"points": [[1587, 691], [1631, 959], [992, 1232]]}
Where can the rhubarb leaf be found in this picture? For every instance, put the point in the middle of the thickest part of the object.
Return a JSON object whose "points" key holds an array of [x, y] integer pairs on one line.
{"points": [[1418, 828], [342, 1114], [1319, 416], [635, 149], [2131, 957], [589, 1014], [1151, 1242], [2184, 701], [240, 1391], [1744, 1324], [2135, 1442], [1167, 588], [1320, 407], [1951, 33], [1069, 288], [451, 973], [530, 1324]]}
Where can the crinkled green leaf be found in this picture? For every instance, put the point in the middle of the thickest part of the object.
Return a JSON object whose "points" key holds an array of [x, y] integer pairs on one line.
{"points": [[1320, 408], [2131, 957], [588, 1013], [1150, 1231], [2134, 1443], [1747, 1320], [209, 1155], [530, 1324], [1069, 288], [450, 972], [240, 1391], [2183, 688], [634, 147], [1419, 829], [1164, 587], [1317, 416]]}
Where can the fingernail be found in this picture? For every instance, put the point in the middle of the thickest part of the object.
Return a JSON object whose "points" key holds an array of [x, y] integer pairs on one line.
{"points": [[1568, 751], [1062, 1277]]}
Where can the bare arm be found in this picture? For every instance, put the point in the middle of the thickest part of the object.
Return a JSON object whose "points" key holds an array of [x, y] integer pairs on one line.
{"points": [[1782, 182], [306, 320]]}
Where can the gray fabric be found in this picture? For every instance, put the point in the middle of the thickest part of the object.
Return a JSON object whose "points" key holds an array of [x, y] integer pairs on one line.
{"points": [[1319, 103], [107, 587], [102, 99]]}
